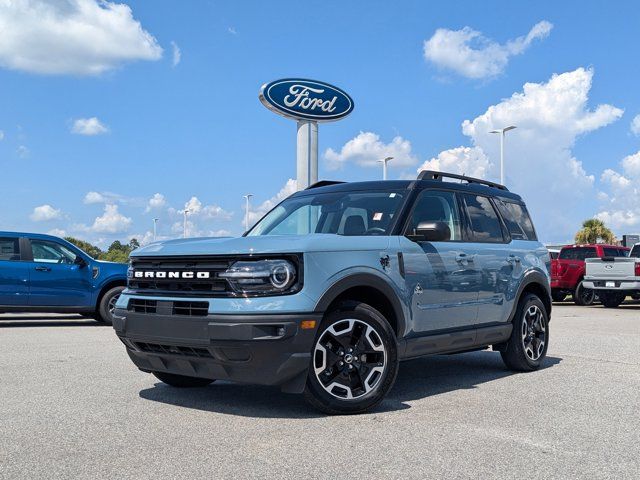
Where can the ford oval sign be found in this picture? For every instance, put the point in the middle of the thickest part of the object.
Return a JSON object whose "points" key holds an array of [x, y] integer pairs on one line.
{"points": [[306, 100]]}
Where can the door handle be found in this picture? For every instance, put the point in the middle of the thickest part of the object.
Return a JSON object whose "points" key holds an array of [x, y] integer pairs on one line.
{"points": [[43, 269], [513, 259]]}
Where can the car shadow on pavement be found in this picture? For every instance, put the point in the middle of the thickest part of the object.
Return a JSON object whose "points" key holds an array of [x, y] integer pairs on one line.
{"points": [[417, 379], [15, 321]]}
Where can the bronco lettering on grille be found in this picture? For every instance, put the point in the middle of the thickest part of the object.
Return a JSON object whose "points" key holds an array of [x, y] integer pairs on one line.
{"points": [[169, 274]]}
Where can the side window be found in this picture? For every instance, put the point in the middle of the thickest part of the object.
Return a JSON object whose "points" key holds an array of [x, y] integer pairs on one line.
{"points": [[517, 219], [437, 206], [485, 224], [582, 253], [51, 252], [567, 254], [9, 249]]}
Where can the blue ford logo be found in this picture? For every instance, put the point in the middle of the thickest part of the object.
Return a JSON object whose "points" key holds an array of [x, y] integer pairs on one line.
{"points": [[306, 100]]}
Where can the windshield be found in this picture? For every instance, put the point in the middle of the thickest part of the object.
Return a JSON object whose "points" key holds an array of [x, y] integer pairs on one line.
{"points": [[339, 213]]}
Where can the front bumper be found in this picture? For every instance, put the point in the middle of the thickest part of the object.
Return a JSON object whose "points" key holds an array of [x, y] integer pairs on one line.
{"points": [[266, 349], [621, 285]]}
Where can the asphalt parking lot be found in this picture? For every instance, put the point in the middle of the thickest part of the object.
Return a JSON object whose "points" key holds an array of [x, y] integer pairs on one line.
{"points": [[73, 405]]}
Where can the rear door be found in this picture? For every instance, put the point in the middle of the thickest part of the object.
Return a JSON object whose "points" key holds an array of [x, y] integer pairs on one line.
{"points": [[14, 273], [489, 245], [55, 279], [442, 278]]}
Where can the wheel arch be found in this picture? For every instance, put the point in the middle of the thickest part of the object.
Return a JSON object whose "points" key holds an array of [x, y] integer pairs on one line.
{"points": [[108, 285], [537, 283], [370, 289]]}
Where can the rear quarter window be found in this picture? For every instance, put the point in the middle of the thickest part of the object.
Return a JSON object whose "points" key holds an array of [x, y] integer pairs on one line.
{"points": [[614, 252], [9, 249], [517, 220]]}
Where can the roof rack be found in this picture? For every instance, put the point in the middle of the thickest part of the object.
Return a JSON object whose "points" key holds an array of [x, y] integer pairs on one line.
{"points": [[433, 175], [323, 183]]}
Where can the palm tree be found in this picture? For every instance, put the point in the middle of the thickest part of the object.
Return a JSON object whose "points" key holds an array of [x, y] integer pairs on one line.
{"points": [[593, 230]]}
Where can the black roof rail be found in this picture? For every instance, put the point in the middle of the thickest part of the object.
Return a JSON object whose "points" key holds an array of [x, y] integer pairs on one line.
{"points": [[323, 183], [433, 175]]}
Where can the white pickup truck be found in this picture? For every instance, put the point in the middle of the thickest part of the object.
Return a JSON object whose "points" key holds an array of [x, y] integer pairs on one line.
{"points": [[614, 278]]}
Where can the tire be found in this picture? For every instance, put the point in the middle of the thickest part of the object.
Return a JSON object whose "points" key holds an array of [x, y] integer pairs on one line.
{"points": [[558, 295], [182, 381], [523, 352], [107, 302], [369, 369], [612, 299], [583, 296]]}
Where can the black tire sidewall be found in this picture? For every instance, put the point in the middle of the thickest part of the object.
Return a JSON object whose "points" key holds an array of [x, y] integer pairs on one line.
{"points": [[577, 298], [103, 309], [516, 349], [323, 400]]}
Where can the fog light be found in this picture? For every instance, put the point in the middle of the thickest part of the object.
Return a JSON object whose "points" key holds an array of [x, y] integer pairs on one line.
{"points": [[281, 331]]}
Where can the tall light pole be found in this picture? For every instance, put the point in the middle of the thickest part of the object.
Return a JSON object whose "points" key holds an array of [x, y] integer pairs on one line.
{"points": [[155, 229], [384, 166], [246, 211], [502, 131], [185, 212]]}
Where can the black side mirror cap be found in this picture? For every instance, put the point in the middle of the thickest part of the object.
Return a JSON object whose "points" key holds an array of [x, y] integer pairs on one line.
{"points": [[432, 232]]}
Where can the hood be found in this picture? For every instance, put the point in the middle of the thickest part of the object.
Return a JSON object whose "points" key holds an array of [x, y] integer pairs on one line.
{"points": [[265, 244]]}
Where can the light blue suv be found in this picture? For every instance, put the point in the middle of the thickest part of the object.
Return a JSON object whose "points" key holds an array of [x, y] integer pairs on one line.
{"points": [[333, 287]]}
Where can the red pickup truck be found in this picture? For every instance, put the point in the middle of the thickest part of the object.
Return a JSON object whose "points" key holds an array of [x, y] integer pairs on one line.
{"points": [[567, 271]]}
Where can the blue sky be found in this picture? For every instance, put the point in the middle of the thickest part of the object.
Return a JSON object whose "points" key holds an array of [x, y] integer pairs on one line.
{"points": [[97, 120]]}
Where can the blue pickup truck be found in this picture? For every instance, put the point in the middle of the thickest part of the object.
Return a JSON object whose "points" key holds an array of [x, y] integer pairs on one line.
{"points": [[43, 273]]}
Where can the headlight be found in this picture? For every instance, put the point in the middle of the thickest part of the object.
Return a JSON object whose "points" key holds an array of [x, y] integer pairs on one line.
{"points": [[260, 276]]}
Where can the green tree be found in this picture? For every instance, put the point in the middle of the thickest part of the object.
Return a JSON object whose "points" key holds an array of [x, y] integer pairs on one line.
{"points": [[594, 230], [119, 252], [86, 247]]}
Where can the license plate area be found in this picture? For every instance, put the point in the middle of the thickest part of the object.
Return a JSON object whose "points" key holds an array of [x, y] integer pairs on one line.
{"points": [[610, 284]]}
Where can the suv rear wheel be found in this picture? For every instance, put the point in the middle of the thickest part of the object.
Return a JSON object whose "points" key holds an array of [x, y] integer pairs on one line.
{"points": [[584, 296], [182, 381], [354, 361], [527, 346]]}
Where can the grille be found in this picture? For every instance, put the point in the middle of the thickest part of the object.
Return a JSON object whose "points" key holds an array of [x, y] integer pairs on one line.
{"points": [[189, 309], [174, 350], [212, 286]]}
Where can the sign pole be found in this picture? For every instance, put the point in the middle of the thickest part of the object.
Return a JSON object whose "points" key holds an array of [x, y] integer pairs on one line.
{"points": [[306, 154]]}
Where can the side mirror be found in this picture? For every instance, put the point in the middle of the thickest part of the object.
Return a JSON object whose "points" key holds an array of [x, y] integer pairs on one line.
{"points": [[432, 232], [81, 262]]}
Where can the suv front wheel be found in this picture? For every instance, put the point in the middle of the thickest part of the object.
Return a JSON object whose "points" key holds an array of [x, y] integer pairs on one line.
{"points": [[527, 346], [354, 361]]}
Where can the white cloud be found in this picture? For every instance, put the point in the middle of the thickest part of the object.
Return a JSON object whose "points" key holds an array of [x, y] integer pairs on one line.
{"points": [[156, 202], [470, 161], [256, 213], [539, 164], [88, 126], [111, 221], [468, 53], [366, 149], [44, 213], [102, 197], [57, 232], [81, 37], [196, 208], [620, 208], [176, 54], [232, 30], [635, 125], [23, 152]]}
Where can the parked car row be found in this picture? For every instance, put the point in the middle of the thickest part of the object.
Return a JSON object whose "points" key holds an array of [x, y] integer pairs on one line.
{"points": [[569, 275]]}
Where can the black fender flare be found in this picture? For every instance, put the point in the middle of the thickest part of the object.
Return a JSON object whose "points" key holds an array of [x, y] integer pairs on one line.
{"points": [[365, 280], [529, 278]]}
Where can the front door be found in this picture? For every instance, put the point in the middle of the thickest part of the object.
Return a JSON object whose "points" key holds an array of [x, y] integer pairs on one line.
{"points": [[56, 279], [442, 278], [14, 273]]}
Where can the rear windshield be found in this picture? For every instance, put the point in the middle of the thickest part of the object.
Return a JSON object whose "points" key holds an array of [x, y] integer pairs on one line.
{"points": [[517, 219], [577, 253], [615, 252]]}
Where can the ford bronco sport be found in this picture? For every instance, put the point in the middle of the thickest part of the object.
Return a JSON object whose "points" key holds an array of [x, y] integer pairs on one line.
{"points": [[338, 283]]}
